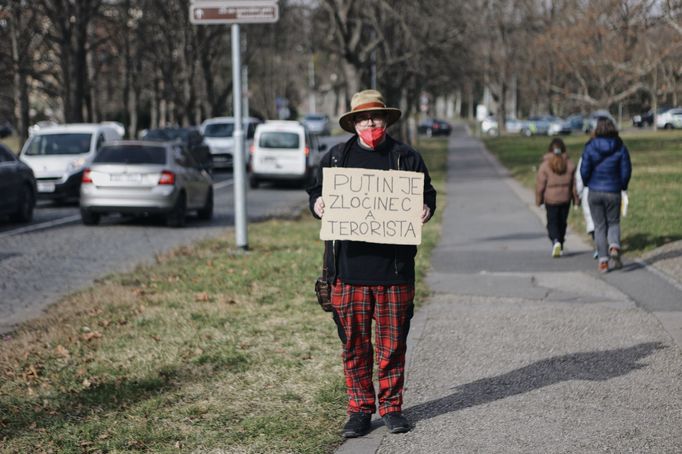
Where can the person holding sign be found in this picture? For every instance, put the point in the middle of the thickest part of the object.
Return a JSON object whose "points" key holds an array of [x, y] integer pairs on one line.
{"points": [[373, 279]]}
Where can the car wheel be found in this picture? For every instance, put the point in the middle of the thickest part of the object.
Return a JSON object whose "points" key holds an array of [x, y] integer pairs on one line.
{"points": [[206, 213], [24, 211], [89, 218], [253, 182], [178, 215], [668, 126], [526, 132]]}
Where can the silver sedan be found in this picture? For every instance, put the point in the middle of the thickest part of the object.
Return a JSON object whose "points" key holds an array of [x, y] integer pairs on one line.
{"points": [[141, 178]]}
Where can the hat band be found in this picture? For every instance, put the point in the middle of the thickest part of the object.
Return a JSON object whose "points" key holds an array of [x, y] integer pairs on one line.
{"points": [[369, 105]]}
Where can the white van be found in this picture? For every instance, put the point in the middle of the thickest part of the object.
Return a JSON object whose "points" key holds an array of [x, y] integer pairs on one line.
{"points": [[58, 154], [281, 151], [218, 133]]}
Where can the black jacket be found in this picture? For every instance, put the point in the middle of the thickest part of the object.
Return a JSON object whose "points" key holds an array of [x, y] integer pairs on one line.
{"points": [[402, 157]]}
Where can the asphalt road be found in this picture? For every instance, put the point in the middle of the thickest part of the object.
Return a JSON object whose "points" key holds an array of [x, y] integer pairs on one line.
{"points": [[55, 254]]}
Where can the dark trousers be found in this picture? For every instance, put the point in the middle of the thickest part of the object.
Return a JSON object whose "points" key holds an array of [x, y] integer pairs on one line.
{"points": [[557, 216]]}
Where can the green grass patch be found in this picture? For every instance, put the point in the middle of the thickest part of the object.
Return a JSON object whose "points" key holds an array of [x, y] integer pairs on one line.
{"points": [[209, 349], [654, 216]]}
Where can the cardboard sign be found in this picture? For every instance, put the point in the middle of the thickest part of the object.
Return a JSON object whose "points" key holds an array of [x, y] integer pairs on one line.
{"points": [[376, 206]]}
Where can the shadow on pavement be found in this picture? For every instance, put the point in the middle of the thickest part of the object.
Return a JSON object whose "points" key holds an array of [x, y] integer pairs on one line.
{"points": [[592, 366], [516, 236], [664, 256], [631, 266], [640, 241]]}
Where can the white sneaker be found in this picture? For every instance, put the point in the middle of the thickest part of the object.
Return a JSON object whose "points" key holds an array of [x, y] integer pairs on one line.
{"points": [[556, 250]]}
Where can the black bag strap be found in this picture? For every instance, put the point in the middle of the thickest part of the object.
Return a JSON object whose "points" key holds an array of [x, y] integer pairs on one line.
{"points": [[325, 272]]}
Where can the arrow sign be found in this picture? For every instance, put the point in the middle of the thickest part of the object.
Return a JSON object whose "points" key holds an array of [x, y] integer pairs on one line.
{"points": [[234, 12]]}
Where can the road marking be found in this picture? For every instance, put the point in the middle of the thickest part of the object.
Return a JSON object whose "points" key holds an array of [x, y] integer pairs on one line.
{"points": [[223, 184], [44, 225]]}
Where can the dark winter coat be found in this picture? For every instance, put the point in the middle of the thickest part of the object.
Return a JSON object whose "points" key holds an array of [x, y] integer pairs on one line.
{"points": [[402, 157], [605, 165]]}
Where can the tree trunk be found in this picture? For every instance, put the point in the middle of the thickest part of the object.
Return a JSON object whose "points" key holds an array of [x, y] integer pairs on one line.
{"points": [[470, 101], [154, 105], [80, 92], [21, 101], [654, 98], [67, 100], [352, 80]]}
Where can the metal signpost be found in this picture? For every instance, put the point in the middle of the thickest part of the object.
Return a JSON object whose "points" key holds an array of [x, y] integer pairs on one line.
{"points": [[236, 12]]}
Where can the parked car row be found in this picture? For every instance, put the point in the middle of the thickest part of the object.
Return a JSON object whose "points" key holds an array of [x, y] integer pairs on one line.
{"points": [[544, 124], [91, 163], [551, 125], [167, 172]]}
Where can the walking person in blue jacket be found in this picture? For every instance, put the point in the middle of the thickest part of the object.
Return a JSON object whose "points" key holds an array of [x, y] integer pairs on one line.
{"points": [[605, 169]]}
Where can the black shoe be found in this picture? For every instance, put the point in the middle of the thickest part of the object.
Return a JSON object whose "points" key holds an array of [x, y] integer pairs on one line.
{"points": [[358, 425], [396, 423]]}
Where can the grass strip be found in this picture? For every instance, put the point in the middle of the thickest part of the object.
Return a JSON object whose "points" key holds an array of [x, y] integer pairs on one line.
{"points": [[209, 349], [654, 216]]}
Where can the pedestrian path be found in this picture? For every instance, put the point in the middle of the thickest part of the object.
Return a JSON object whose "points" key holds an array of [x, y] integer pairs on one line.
{"points": [[520, 352]]}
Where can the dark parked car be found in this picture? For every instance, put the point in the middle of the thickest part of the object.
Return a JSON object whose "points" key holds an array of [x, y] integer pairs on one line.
{"points": [[576, 122], [17, 187], [434, 127], [5, 130], [191, 138]]}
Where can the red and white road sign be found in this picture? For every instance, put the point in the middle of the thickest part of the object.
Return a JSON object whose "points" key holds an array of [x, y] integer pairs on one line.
{"points": [[233, 12]]}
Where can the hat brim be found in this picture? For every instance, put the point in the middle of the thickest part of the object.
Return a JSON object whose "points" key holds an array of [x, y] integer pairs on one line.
{"points": [[346, 120]]}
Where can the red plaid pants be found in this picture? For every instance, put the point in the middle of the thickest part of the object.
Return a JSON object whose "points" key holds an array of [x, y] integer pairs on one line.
{"points": [[391, 307]]}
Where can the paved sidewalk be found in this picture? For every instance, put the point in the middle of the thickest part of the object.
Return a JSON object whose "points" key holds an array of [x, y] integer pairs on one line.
{"points": [[519, 352]]}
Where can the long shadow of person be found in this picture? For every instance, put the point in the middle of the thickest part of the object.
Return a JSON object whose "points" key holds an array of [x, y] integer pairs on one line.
{"points": [[592, 366]]}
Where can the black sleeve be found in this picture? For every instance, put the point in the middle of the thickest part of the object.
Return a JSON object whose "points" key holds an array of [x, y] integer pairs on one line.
{"points": [[315, 189], [429, 190]]}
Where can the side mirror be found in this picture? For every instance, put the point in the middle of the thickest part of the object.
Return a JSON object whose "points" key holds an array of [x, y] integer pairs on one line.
{"points": [[322, 147]]}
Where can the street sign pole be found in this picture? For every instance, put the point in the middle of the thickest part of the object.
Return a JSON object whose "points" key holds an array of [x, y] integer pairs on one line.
{"points": [[236, 12], [238, 167]]}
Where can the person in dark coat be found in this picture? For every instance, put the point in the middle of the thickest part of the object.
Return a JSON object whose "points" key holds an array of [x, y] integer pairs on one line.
{"points": [[372, 281], [606, 169]]}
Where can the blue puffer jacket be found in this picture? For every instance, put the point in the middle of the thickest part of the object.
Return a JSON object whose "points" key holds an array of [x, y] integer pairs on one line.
{"points": [[606, 165]]}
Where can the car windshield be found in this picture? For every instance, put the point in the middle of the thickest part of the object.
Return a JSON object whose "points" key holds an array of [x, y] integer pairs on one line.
{"points": [[279, 140], [131, 154], [167, 134], [58, 144], [219, 130], [314, 118]]}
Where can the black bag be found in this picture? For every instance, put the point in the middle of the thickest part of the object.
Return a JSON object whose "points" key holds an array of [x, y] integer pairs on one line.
{"points": [[322, 287]]}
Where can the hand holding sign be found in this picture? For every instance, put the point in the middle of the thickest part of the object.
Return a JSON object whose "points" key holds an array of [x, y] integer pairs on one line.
{"points": [[375, 206]]}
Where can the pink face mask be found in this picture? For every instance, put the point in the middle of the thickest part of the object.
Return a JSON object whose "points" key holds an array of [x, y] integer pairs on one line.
{"points": [[372, 136]]}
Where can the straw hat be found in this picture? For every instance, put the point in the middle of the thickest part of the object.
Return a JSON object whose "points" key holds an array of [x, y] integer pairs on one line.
{"points": [[367, 101]]}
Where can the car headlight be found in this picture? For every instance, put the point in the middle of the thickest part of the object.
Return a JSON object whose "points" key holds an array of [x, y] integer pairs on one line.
{"points": [[75, 166]]}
